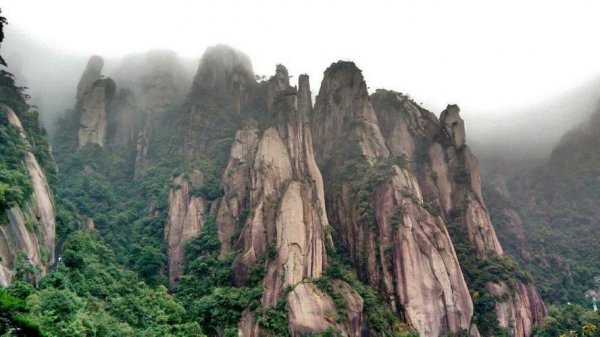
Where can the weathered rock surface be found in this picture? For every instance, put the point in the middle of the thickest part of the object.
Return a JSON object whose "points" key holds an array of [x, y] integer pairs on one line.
{"points": [[312, 311], [92, 73], [286, 208], [408, 256], [454, 125], [94, 106], [184, 222], [152, 83], [276, 181], [405, 251], [31, 229]]}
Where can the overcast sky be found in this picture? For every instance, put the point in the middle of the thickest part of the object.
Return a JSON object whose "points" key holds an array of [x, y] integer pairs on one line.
{"points": [[493, 58]]}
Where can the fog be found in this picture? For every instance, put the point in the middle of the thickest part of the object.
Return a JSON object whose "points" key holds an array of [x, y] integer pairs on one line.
{"points": [[522, 73]]}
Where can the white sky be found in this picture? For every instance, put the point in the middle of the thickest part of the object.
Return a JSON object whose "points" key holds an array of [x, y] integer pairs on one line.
{"points": [[493, 58]]}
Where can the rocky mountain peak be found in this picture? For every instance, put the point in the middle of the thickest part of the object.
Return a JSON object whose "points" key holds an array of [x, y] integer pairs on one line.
{"points": [[454, 125], [343, 109], [92, 73], [224, 74]]}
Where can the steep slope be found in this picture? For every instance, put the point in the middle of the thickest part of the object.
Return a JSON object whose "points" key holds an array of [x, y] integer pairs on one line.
{"points": [[218, 194], [27, 222], [286, 211], [557, 208], [270, 216], [394, 191]]}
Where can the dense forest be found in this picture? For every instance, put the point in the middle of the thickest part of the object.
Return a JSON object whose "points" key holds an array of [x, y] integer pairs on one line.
{"points": [[234, 206]]}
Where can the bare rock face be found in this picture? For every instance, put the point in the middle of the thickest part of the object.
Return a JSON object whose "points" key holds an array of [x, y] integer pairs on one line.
{"points": [[287, 198], [312, 311], [454, 125], [343, 110], [406, 251], [92, 73], [93, 97], [124, 125], [521, 311], [31, 229], [184, 222], [94, 105], [236, 186], [402, 246], [275, 180]]}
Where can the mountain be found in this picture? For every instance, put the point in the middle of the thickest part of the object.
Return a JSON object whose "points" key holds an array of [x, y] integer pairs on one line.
{"points": [[550, 215], [28, 220], [261, 213]]}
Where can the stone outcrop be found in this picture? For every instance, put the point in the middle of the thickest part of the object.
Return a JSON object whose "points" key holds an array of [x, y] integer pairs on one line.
{"points": [[402, 247], [275, 182], [312, 311], [31, 228], [454, 125], [286, 200], [397, 178], [184, 222], [92, 73], [406, 251], [94, 107]]}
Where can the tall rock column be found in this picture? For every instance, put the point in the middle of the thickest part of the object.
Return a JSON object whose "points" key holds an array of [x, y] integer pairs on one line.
{"points": [[184, 222], [93, 96], [399, 245], [449, 177], [285, 216]]}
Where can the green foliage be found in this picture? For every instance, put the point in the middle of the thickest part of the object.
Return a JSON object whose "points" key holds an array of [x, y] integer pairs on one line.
{"points": [[478, 272], [24, 268], [347, 164], [15, 185], [381, 319], [569, 321], [206, 287], [274, 320], [325, 283], [92, 296], [560, 218], [14, 320]]}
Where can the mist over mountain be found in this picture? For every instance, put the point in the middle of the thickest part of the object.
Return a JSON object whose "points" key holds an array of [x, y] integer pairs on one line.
{"points": [[155, 193]]}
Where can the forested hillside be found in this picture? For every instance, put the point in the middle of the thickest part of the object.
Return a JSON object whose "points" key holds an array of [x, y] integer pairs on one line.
{"points": [[229, 204]]}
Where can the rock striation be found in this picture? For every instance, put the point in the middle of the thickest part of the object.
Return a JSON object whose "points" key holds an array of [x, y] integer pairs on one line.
{"points": [[31, 228], [397, 186], [397, 227], [184, 222], [402, 248], [94, 112]]}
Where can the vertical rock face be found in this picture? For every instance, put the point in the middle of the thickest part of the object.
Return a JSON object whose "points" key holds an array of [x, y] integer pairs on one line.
{"points": [[274, 197], [450, 179], [93, 96], [92, 73], [312, 311], [402, 247], [94, 106], [184, 222], [31, 228], [286, 200]]}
